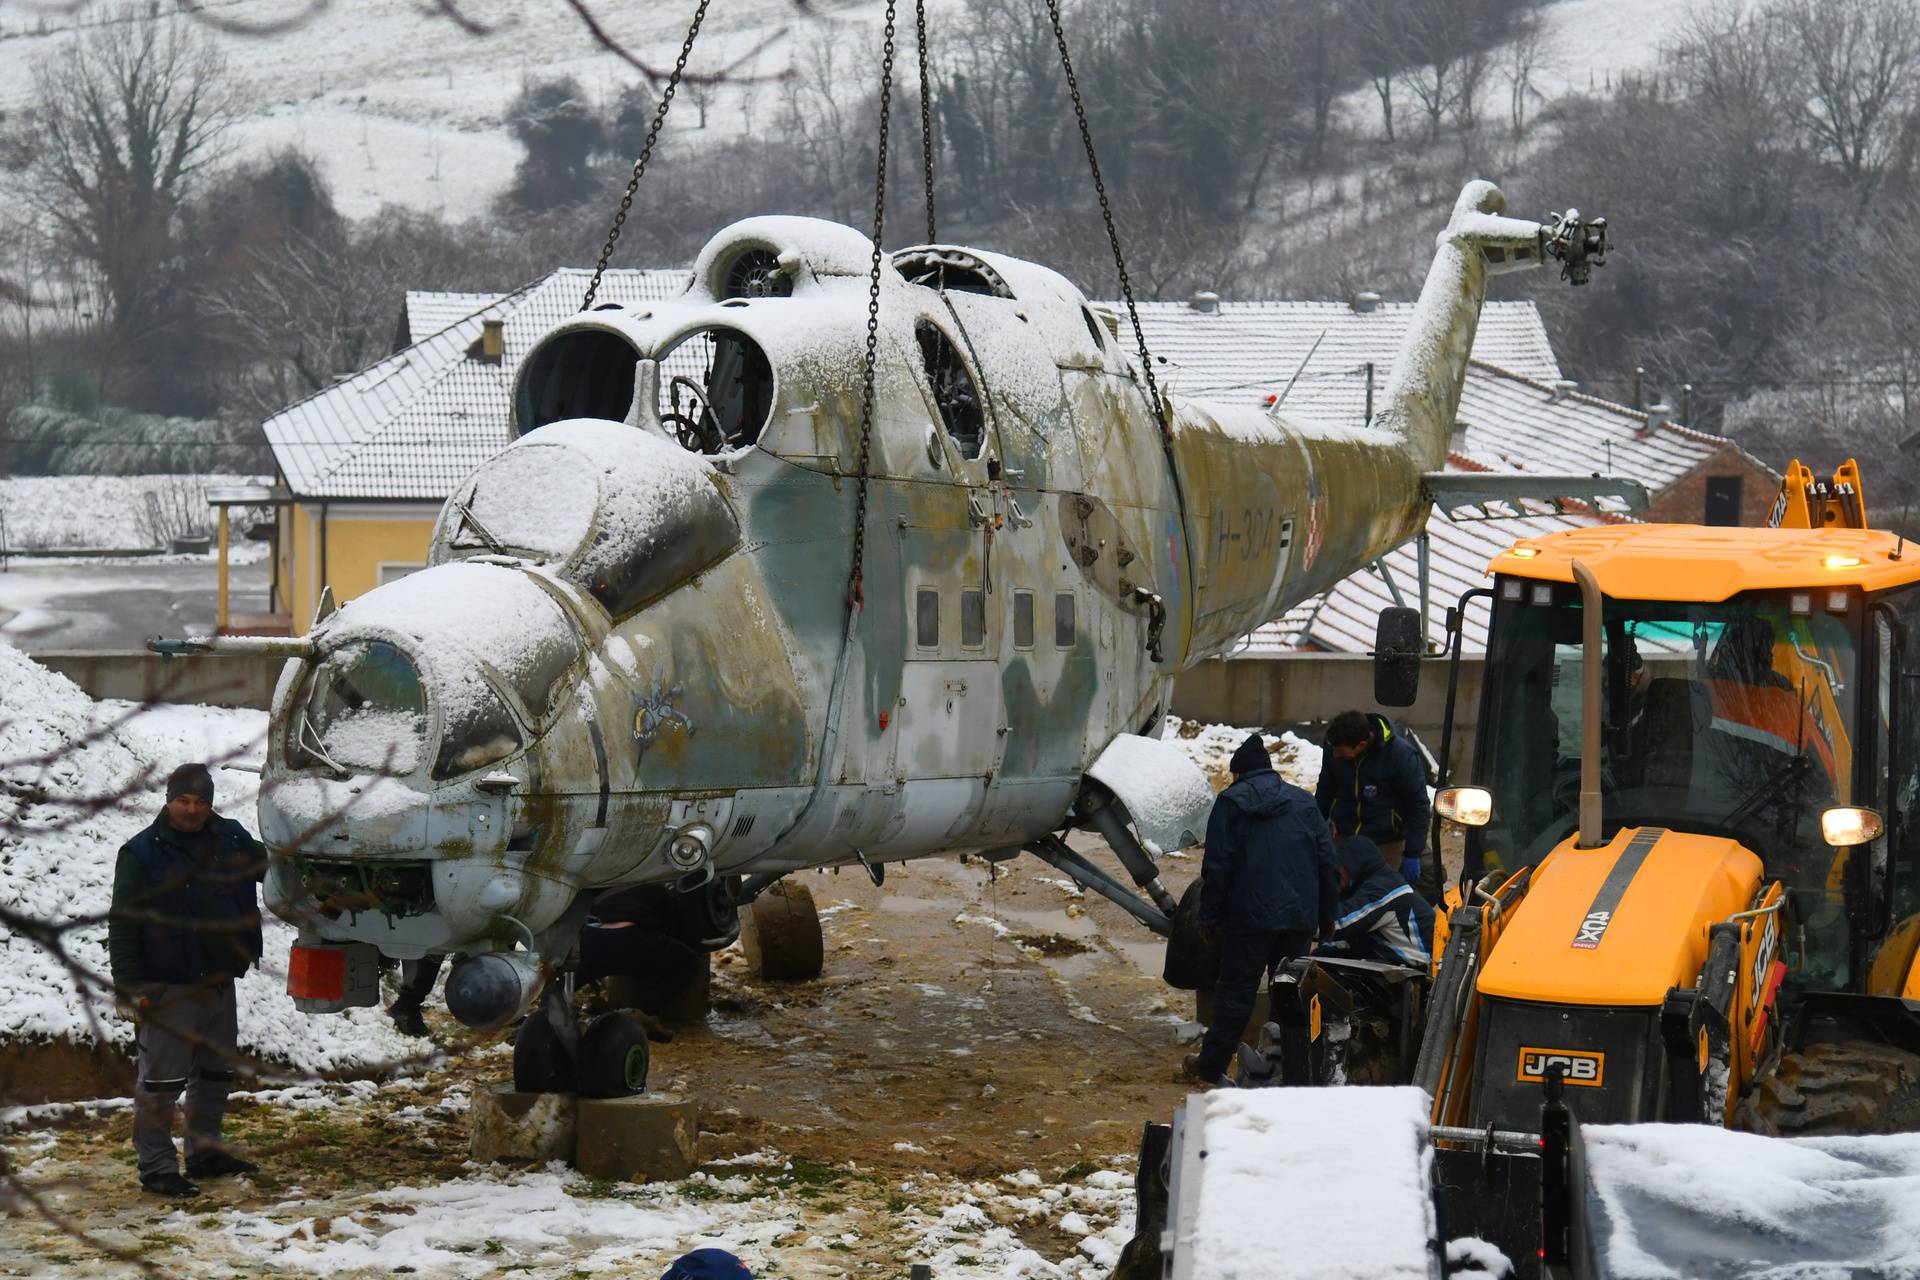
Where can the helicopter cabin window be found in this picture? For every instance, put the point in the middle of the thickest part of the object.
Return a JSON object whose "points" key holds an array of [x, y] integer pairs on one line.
{"points": [[716, 391], [584, 374], [973, 619], [926, 618], [955, 394], [1023, 619], [1063, 629]]}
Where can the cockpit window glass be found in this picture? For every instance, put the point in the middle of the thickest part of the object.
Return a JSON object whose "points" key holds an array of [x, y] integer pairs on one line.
{"points": [[716, 391], [366, 710], [585, 374], [955, 394], [535, 501], [476, 730], [543, 672]]}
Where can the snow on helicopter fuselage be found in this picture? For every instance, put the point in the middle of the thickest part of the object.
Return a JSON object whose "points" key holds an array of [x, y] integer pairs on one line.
{"points": [[629, 659]]}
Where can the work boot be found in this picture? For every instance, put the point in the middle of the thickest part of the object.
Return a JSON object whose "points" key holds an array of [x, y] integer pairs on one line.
{"points": [[218, 1164], [170, 1183], [1190, 1067], [407, 1019]]}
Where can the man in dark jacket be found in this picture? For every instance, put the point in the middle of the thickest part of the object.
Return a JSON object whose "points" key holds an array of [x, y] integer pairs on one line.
{"points": [[1380, 916], [1268, 881], [185, 923], [1374, 784]]}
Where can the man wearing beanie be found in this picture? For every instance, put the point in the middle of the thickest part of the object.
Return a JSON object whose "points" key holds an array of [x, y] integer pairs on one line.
{"points": [[185, 923], [1268, 881]]}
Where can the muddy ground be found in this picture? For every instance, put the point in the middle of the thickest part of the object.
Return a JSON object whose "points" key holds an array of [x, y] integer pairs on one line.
{"points": [[978, 1057]]}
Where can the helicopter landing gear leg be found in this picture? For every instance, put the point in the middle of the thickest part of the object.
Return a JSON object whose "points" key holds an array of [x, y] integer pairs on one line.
{"points": [[780, 931]]}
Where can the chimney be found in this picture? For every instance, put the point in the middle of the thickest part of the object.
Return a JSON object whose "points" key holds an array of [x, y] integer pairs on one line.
{"points": [[491, 346], [1457, 437], [1560, 389], [1206, 301], [1365, 302], [1658, 415]]}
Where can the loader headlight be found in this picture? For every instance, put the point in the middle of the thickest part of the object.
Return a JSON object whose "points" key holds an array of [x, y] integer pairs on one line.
{"points": [[1846, 826], [1468, 806]]}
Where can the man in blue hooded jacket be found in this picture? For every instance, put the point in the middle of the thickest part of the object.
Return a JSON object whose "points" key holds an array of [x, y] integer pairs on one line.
{"points": [[1268, 881]]}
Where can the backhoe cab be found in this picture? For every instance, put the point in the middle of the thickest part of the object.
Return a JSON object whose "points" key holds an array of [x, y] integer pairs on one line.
{"points": [[1692, 878]]}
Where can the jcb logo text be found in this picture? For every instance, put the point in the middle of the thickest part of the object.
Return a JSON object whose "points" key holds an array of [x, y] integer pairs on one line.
{"points": [[1576, 1066]]}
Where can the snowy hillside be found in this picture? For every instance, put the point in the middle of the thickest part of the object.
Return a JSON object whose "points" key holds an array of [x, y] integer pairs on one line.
{"points": [[79, 778], [402, 106]]}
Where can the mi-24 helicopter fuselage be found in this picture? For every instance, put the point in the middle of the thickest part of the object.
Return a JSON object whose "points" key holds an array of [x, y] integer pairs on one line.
{"points": [[629, 660]]}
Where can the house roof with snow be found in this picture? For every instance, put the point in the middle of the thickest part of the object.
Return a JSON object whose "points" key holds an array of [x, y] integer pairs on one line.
{"points": [[1243, 351], [1507, 422], [413, 425]]}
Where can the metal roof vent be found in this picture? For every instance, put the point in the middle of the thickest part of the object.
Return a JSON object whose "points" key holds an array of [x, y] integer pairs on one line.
{"points": [[1560, 388], [1365, 302], [1457, 438], [1658, 415], [1205, 301]]}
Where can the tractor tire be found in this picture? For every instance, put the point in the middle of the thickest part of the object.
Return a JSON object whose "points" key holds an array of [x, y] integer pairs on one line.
{"points": [[780, 933], [1850, 1087], [614, 1056]]}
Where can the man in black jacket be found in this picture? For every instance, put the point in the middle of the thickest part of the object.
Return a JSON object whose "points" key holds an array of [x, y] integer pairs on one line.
{"points": [[1373, 783], [1268, 881], [185, 923]]}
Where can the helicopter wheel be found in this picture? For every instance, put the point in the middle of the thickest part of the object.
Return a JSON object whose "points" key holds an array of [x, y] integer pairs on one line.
{"points": [[540, 1061], [780, 932], [614, 1056]]}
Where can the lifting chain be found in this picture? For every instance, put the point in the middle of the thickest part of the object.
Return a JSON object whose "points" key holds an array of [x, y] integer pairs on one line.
{"points": [[855, 597], [926, 116], [1113, 234], [646, 153]]}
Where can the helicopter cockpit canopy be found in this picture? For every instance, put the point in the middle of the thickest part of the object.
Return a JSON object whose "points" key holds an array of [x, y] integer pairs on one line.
{"points": [[620, 513], [445, 675]]}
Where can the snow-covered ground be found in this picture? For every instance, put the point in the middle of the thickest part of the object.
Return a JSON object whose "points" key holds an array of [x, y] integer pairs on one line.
{"points": [[77, 780], [108, 511]]}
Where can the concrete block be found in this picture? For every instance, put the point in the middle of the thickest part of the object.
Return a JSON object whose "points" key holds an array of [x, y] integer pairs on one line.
{"points": [[650, 1137], [509, 1125]]}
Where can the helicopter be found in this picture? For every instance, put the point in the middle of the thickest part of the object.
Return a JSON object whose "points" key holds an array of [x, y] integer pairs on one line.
{"points": [[724, 609]]}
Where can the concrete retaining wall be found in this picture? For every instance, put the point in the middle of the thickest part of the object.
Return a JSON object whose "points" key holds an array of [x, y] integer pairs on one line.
{"points": [[1305, 688], [139, 676]]}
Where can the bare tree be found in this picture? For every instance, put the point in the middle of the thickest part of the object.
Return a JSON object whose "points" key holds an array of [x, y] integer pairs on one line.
{"points": [[1526, 53], [1861, 60], [129, 117]]}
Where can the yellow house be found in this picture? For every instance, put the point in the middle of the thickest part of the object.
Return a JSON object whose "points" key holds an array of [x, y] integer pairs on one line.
{"points": [[366, 463]]}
